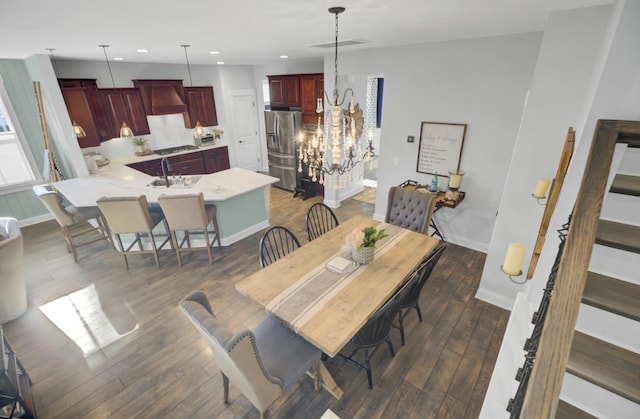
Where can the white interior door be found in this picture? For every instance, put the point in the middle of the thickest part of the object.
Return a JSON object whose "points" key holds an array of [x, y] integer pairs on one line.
{"points": [[245, 127]]}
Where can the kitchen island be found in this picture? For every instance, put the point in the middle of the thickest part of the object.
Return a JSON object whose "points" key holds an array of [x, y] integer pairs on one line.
{"points": [[239, 194]]}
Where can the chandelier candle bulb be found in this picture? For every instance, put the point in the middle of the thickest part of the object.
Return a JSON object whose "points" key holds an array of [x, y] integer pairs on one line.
{"points": [[513, 260], [541, 189]]}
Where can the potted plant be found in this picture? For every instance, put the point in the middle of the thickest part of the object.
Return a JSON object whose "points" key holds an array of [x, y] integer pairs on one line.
{"points": [[362, 241], [140, 144]]}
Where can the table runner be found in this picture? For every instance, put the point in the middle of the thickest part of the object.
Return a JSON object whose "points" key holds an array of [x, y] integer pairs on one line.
{"points": [[298, 303]]}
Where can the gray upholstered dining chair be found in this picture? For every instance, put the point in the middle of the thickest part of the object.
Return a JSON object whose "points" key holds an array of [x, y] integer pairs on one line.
{"points": [[263, 362], [276, 243], [190, 215], [410, 298], [13, 289], [74, 221], [410, 209], [131, 215], [319, 219]]}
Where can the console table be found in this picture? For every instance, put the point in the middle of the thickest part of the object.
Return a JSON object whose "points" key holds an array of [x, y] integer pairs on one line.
{"points": [[441, 201]]}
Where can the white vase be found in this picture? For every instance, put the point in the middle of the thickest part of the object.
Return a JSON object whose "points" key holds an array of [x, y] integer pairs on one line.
{"points": [[363, 256]]}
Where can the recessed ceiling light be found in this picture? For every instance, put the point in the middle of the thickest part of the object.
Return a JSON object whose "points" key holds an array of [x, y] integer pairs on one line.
{"points": [[214, 52], [220, 63], [118, 59], [284, 56], [142, 50]]}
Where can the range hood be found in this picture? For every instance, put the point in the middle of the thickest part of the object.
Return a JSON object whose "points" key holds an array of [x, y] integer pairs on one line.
{"points": [[165, 100], [162, 97]]}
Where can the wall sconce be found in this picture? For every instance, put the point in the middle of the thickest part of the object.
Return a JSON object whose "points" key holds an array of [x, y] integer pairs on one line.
{"points": [[541, 190], [512, 265]]}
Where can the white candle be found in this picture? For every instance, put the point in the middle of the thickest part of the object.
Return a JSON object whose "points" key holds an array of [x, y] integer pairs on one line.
{"points": [[454, 180], [513, 260], [541, 189]]}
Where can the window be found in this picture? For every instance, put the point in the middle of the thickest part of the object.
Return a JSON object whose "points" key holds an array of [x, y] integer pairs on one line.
{"points": [[15, 167], [265, 94]]}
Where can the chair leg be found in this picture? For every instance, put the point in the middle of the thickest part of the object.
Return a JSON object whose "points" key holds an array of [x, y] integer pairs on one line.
{"points": [[265, 414], [155, 249], [174, 240], [225, 386], [393, 353], [70, 246], [401, 326], [417, 307], [367, 367], [209, 244], [317, 379], [215, 226]]}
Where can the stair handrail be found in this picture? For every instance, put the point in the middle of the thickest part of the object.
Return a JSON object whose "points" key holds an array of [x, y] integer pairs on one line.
{"points": [[543, 390]]}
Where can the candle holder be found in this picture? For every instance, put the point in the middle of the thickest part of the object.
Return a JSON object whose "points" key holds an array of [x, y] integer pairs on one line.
{"points": [[511, 276], [453, 187]]}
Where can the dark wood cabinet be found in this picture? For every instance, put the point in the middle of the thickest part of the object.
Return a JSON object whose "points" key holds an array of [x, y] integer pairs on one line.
{"points": [[80, 111], [162, 97], [125, 105], [201, 106], [312, 89], [187, 164], [216, 159], [196, 163], [284, 91]]}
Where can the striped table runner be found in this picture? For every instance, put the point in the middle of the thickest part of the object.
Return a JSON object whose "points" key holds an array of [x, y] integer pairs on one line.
{"points": [[302, 300]]}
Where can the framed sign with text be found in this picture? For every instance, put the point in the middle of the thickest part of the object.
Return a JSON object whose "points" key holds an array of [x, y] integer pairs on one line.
{"points": [[440, 147]]}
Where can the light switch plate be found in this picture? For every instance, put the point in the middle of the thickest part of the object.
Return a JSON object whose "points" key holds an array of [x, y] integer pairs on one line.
{"points": [[410, 138]]}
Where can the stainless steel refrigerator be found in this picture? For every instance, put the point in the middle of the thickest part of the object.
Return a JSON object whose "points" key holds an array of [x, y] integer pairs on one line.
{"points": [[283, 128]]}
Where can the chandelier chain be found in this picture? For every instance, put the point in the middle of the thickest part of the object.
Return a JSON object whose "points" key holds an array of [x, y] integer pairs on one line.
{"points": [[188, 66], [104, 49]]}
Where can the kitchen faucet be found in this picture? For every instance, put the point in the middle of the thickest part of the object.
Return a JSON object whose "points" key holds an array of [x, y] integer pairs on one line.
{"points": [[166, 167]]}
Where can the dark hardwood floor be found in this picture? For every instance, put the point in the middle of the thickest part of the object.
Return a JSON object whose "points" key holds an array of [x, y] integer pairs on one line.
{"points": [[99, 341]]}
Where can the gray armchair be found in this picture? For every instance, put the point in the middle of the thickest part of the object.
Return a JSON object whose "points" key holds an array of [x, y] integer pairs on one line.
{"points": [[263, 363], [410, 209]]}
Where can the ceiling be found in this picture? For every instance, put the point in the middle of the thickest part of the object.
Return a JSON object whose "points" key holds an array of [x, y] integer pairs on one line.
{"points": [[252, 31]]}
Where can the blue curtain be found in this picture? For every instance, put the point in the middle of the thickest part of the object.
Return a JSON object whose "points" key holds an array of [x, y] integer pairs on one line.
{"points": [[379, 102]]}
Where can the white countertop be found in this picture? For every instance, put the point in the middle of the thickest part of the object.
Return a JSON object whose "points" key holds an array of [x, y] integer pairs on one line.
{"points": [[116, 179]]}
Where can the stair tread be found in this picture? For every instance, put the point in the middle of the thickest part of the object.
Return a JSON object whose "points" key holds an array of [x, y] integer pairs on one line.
{"points": [[626, 184], [614, 295], [618, 235], [569, 411], [605, 365]]}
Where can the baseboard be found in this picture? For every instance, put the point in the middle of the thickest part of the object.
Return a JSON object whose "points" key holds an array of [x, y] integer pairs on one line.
{"points": [[495, 299], [35, 220], [229, 240]]}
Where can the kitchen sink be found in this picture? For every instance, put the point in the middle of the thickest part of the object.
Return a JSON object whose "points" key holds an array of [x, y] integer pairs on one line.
{"points": [[175, 182]]}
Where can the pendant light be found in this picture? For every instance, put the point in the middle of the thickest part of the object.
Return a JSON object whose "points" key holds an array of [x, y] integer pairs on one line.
{"points": [[343, 139], [77, 129], [125, 131], [198, 130]]}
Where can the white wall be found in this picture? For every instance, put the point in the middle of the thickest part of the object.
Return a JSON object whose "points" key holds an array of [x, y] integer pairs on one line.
{"points": [[480, 82], [570, 49], [610, 89]]}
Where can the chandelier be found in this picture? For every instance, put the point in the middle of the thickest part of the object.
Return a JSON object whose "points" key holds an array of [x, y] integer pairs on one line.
{"points": [[346, 128]]}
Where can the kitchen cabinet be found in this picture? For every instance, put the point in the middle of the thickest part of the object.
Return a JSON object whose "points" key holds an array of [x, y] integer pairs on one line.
{"points": [[196, 163], [125, 105], [201, 106], [80, 111], [311, 89], [187, 164], [284, 92], [216, 159]]}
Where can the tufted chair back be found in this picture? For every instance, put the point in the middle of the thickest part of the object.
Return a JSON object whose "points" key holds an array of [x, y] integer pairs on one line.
{"points": [[410, 209]]}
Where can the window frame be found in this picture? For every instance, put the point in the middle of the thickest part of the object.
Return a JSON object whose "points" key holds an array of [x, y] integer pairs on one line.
{"points": [[6, 107]]}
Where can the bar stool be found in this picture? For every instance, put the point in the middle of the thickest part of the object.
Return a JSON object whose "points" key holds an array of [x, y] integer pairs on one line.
{"points": [[190, 215]]}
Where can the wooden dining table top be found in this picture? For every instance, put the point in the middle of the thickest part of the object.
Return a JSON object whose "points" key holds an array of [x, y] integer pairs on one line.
{"points": [[327, 308]]}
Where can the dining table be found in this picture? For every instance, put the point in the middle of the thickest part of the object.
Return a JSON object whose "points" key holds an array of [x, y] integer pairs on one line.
{"points": [[328, 308]]}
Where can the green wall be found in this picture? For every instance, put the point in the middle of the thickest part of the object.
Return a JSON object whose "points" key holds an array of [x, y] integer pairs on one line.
{"points": [[23, 205]]}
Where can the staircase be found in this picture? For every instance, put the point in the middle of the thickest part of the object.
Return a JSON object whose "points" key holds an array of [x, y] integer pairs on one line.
{"points": [[588, 361], [594, 360]]}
